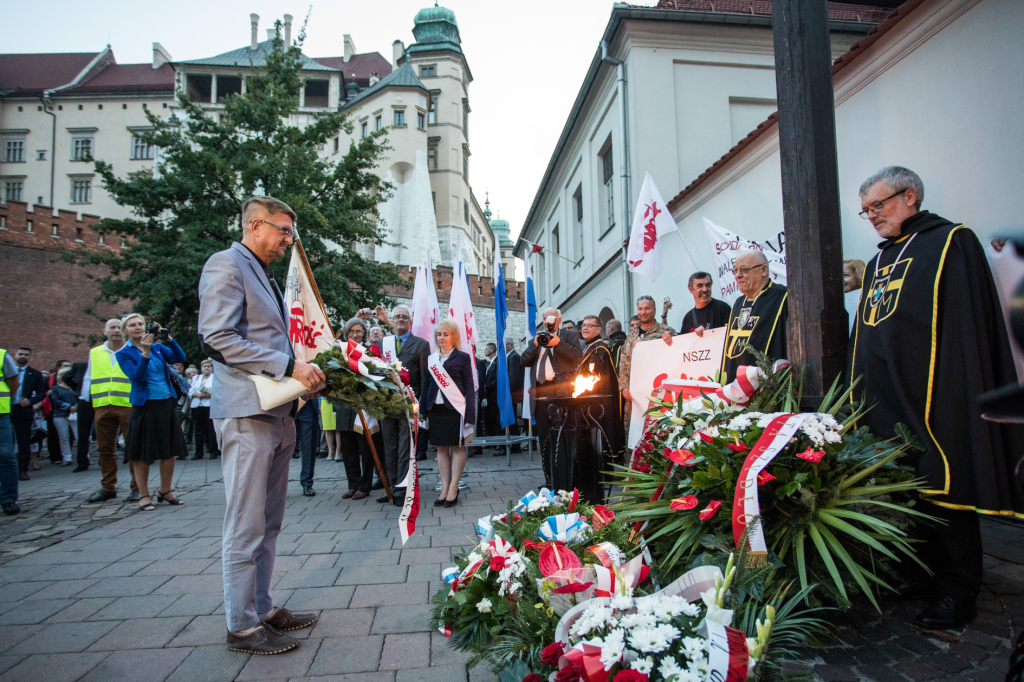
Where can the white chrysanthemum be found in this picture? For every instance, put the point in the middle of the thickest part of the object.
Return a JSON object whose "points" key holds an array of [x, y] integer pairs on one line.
{"points": [[644, 665], [484, 546], [636, 620], [670, 607], [537, 504], [484, 605], [652, 639], [473, 558], [739, 423], [833, 437], [622, 603], [691, 676], [669, 669], [613, 648], [698, 664], [647, 605], [693, 647]]}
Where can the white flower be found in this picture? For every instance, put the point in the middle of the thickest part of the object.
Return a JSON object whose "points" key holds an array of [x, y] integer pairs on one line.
{"points": [[653, 639], [698, 664], [691, 676], [537, 504], [473, 558], [670, 607], [833, 437], [644, 665], [593, 618], [693, 647], [622, 603], [739, 423], [635, 620], [716, 614], [669, 669], [484, 605], [613, 648]]}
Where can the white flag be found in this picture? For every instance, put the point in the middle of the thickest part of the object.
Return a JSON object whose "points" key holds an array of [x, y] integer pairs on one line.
{"points": [[309, 328], [725, 246], [651, 222], [461, 311], [425, 311]]}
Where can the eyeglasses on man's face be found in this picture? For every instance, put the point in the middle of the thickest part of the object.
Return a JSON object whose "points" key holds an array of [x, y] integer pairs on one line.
{"points": [[877, 206], [743, 271], [400, 316], [290, 231], [591, 325]]}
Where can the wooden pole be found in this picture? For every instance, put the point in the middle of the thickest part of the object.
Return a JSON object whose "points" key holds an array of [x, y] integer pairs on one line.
{"points": [[376, 460], [817, 331]]}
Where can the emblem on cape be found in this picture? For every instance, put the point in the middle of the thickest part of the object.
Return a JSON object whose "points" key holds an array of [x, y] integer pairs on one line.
{"points": [[884, 294], [744, 316], [739, 333]]}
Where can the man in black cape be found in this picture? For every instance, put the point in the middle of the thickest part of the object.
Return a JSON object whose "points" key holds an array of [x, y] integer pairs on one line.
{"points": [[598, 361], [758, 318], [929, 339]]}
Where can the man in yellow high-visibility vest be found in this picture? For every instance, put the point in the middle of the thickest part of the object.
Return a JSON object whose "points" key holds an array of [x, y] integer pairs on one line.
{"points": [[107, 387], [8, 458]]}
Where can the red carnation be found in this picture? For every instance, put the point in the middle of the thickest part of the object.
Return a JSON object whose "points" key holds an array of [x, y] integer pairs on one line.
{"points": [[551, 653], [628, 676], [684, 503], [710, 510], [404, 376], [374, 350], [570, 673], [497, 563], [764, 477], [811, 455], [533, 677]]}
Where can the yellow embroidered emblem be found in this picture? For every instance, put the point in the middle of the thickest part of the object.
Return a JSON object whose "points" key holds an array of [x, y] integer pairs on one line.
{"points": [[884, 294], [739, 332]]}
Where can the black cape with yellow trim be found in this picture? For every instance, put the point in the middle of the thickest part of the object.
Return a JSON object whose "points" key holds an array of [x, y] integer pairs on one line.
{"points": [[764, 330], [600, 354], [929, 339]]}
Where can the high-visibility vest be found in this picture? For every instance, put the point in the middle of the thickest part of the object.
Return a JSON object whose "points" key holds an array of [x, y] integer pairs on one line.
{"points": [[5, 392], [108, 385]]}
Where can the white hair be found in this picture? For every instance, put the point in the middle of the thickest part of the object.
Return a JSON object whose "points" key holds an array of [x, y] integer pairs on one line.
{"points": [[897, 177], [758, 256], [401, 307]]}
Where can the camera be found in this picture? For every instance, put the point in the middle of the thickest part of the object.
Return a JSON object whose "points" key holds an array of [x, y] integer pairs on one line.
{"points": [[543, 338], [550, 329], [157, 331]]}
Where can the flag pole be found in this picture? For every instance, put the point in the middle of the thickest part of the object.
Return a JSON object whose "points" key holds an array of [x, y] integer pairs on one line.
{"points": [[376, 460], [687, 248]]}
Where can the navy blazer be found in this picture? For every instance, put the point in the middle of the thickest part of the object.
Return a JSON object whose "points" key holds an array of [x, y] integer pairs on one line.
{"points": [[459, 366], [34, 388], [136, 368]]}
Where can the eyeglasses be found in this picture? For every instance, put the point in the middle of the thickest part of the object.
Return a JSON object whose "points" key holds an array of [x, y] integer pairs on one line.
{"points": [[877, 207], [290, 231], [743, 271], [591, 325], [645, 297], [400, 317]]}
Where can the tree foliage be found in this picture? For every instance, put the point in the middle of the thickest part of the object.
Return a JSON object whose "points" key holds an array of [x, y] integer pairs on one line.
{"points": [[209, 164]]}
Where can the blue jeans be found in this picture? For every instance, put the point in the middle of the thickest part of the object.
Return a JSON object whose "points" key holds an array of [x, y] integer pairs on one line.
{"points": [[8, 462], [307, 433]]}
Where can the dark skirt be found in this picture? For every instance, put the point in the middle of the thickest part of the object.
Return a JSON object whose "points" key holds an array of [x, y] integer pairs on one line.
{"points": [[444, 426], [154, 432]]}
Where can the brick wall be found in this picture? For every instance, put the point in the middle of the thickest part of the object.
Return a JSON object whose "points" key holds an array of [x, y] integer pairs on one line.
{"points": [[44, 301]]}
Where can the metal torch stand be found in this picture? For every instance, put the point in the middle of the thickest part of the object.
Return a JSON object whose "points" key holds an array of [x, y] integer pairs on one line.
{"points": [[577, 442]]}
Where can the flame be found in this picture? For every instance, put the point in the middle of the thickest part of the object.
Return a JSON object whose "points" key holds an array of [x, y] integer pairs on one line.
{"points": [[583, 384]]}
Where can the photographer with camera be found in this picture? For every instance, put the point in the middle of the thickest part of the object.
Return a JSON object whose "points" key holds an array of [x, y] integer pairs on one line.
{"points": [[154, 432], [552, 358]]}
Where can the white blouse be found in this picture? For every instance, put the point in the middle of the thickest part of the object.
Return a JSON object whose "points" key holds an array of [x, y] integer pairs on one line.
{"points": [[200, 384]]}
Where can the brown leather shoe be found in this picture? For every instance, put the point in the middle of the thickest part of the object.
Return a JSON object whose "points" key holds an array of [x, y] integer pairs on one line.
{"points": [[359, 494], [265, 641], [282, 619], [348, 495]]}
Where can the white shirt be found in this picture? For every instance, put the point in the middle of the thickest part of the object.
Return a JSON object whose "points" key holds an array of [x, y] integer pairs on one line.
{"points": [[201, 383], [84, 395]]}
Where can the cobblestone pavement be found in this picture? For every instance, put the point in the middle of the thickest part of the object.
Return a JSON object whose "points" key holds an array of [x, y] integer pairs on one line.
{"points": [[104, 592]]}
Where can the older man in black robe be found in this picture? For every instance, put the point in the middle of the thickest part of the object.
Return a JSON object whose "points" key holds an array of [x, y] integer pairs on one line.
{"points": [[929, 339]]}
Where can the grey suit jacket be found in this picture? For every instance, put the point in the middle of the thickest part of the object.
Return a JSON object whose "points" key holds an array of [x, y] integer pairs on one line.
{"points": [[243, 330]]}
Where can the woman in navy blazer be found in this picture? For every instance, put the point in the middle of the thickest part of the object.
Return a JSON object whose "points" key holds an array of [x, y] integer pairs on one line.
{"points": [[154, 432], [448, 429]]}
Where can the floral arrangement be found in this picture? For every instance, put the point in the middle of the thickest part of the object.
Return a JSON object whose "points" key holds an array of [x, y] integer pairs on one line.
{"points": [[833, 506], [359, 378]]}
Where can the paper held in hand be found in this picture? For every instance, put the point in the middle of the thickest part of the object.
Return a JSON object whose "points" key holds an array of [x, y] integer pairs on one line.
{"points": [[276, 393]]}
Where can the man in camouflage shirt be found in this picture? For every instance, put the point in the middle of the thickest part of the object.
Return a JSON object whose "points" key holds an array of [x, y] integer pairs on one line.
{"points": [[649, 329]]}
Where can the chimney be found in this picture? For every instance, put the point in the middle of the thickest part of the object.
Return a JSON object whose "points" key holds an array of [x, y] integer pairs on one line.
{"points": [[287, 31], [350, 47], [160, 56], [271, 33], [397, 52], [255, 19]]}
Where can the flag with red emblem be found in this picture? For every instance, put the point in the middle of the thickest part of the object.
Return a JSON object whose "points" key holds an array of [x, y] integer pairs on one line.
{"points": [[651, 222]]}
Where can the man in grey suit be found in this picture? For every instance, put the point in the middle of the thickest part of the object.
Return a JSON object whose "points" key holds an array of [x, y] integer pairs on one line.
{"points": [[412, 353], [243, 328]]}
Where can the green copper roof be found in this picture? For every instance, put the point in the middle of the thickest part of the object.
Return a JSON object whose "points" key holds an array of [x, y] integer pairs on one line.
{"points": [[435, 28], [403, 76], [258, 57]]}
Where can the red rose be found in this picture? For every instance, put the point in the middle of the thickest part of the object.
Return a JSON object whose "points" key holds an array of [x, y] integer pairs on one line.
{"points": [[551, 653], [497, 563], [570, 673], [404, 376], [374, 350], [533, 677], [684, 503], [644, 468], [709, 510], [648, 447], [811, 455], [764, 477], [629, 676]]}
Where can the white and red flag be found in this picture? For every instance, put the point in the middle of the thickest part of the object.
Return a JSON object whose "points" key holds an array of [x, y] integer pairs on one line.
{"points": [[460, 309], [309, 328], [425, 311], [651, 222]]}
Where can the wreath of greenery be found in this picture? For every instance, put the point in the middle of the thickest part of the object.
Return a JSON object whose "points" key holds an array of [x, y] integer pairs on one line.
{"points": [[380, 398]]}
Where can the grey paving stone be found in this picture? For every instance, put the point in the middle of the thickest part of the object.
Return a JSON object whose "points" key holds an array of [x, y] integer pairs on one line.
{"points": [[151, 665], [315, 599], [397, 619], [177, 567], [403, 651], [191, 584], [209, 664], [54, 667], [18, 591], [425, 573], [141, 633], [374, 558], [347, 655], [10, 635], [379, 676], [34, 611], [202, 604], [199, 552], [202, 631], [308, 578], [63, 637], [371, 575], [343, 623], [442, 653], [70, 571], [63, 589], [482, 673], [124, 608], [321, 562], [8, 662], [79, 610], [294, 663], [120, 568], [446, 674], [390, 595], [433, 555], [123, 587]]}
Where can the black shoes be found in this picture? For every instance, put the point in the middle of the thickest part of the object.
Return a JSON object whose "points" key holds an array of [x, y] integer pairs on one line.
{"points": [[11, 508], [399, 500], [452, 503], [80, 468], [133, 496], [308, 491], [104, 495], [421, 458], [383, 498], [23, 476], [377, 485], [947, 613]]}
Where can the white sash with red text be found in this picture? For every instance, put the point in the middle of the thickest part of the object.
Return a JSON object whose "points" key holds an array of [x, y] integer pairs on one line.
{"points": [[447, 385], [389, 349]]}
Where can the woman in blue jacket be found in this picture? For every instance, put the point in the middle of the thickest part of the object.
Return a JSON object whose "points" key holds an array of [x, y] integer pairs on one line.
{"points": [[154, 432]]}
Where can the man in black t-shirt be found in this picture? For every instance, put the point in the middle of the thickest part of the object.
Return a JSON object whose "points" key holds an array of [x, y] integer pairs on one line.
{"points": [[708, 312]]}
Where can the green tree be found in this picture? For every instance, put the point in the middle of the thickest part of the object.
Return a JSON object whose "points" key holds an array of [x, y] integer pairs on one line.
{"points": [[190, 208]]}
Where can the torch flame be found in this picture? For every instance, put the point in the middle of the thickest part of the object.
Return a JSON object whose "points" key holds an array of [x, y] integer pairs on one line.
{"points": [[583, 384]]}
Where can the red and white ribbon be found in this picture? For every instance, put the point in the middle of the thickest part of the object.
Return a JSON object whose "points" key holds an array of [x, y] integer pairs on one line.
{"points": [[742, 389], [727, 659]]}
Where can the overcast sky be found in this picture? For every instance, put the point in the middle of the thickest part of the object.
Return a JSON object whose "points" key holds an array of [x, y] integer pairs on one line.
{"points": [[528, 59]]}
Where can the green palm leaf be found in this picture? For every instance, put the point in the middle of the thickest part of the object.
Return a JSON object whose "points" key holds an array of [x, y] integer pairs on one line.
{"points": [[826, 556]]}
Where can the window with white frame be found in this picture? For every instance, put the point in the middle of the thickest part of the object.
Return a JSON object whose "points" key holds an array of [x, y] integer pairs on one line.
{"points": [[432, 145], [428, 71], [378, 123], [420, 121], [432, 113], [399, 118], [577, 202], [141, 149], [364, 129], [14, 151], [556, 249], [81, 191], [13, 190], [81, 148], [608, 180]]}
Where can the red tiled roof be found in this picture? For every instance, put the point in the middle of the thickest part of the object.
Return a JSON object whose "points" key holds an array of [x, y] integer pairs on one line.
{"points": [[360, 66], [855, 50], [837, 11], [129, 78], [33, 73]]}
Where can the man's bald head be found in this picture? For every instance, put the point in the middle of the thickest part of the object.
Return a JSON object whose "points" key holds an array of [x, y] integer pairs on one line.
{"points": [[112, 330]]}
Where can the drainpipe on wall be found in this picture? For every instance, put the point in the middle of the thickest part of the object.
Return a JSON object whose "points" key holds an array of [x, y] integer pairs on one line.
{"points": [[53, 142], [620, 68]]}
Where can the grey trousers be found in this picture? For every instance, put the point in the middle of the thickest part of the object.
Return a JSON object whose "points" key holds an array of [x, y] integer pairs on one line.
{"points": [[396, 449], [255, 452]]}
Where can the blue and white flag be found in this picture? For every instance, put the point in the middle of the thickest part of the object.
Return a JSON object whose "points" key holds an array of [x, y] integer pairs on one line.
{"points": [[562, 527], [531, 331], [506, 412]]}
